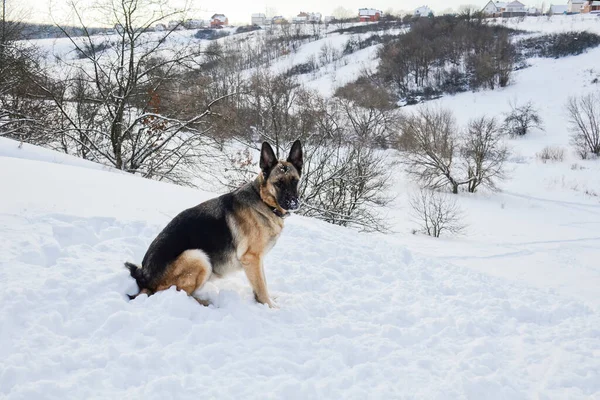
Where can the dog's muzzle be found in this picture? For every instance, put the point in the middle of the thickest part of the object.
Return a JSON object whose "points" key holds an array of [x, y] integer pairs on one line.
{"points": [[292, 204]]}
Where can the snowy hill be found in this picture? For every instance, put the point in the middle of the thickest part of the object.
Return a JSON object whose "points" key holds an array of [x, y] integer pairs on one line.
{"points": [[509, 310], [543, 226], [361, 315]]}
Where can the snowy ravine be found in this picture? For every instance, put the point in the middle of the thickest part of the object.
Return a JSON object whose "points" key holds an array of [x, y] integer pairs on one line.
{"points": [[360, 315]]}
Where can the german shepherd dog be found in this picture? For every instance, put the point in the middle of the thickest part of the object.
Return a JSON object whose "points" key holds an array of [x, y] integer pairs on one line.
{"points": [[229, 233]]}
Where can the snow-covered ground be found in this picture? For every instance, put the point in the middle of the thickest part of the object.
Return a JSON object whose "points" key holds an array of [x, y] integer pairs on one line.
{"points": [[361, 315], [544, 226], [510, 310]]}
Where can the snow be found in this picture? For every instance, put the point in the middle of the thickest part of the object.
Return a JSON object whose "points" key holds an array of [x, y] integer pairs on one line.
{"points": [[11, 148], [543, 226], [510, 310], [360, 314], [555, 23]]}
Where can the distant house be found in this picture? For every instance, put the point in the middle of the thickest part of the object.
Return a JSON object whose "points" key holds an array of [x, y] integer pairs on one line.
{"points": [[369, 14], [193, 24], [278, 20], [575, 6], [423, 11], [258, 19], [558, 9], [494, 8], [533, 11], [301, 18], [592, 6], [314, 18], [515, 8], [218, 20]]}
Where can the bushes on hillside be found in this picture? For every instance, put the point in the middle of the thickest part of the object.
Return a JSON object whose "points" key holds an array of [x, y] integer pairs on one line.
{"points": [[558, 45], [447, 55], [247, 28], [210, 34]]}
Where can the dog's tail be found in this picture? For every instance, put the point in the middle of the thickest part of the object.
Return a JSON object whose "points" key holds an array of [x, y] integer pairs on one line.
{"points": [[136, 273]]}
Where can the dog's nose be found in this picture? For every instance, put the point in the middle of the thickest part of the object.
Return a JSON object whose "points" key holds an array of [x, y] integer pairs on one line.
{"points": [[294, 204]]}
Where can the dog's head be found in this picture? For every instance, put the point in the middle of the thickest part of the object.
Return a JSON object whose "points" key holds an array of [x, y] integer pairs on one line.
{"points": [[279, 183]]}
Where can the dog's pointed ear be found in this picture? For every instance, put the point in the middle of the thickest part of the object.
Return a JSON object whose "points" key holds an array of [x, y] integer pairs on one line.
{"points": [[295, 156], [267, 158]]}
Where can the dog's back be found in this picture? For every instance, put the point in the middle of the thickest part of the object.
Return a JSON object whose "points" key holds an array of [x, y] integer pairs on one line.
{"points": [[201, 227]]}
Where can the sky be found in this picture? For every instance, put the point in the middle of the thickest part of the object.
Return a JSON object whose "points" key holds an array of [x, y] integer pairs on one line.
{"points": [[239, 11]]}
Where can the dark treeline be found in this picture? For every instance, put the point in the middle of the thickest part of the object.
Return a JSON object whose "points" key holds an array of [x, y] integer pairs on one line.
{"points": [[558, 45], [30, 31], [447, 55]]}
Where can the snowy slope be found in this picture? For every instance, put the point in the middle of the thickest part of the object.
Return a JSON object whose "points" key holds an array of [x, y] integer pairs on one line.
{"points": [[361, 315], [543, 227], [510, 310]]}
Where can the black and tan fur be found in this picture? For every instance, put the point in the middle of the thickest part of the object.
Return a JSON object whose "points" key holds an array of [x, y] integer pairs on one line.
{"points": [[225, 234]]}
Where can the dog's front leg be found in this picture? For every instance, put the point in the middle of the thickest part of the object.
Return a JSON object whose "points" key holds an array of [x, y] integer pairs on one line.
{"points": [[253, 267]]}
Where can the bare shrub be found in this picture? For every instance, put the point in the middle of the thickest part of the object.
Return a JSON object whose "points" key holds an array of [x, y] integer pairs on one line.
{"points": [[484, 154], [429, 140], [328, 54], [436, 213], [521, 119], [344, 177], [345, 183], [551, 153], [584, 120]]}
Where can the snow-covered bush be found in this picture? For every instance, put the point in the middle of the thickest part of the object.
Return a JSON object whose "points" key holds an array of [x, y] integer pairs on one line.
{"points": [[551, 153], [521, 119], [436, 213]]}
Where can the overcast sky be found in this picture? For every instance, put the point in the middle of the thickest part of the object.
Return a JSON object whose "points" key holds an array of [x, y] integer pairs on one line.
{"points": [[239, 11]]}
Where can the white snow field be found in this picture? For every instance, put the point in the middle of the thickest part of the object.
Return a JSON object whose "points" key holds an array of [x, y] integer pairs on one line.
{"points": [[510, 310], [361, 315]]}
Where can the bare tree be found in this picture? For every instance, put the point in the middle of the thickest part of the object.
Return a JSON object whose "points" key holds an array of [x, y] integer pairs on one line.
{"points": [[112, 106], [370, 112], [345, 183], [521, 119], [584, 120], [484, 154], [342, 13], [24, 113], [344, 179], [436, 213], [429, 139]]}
